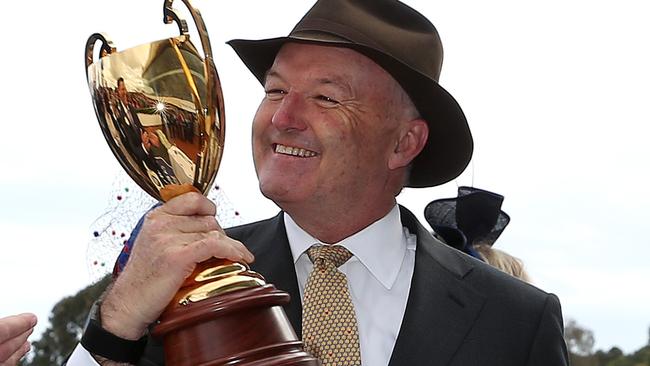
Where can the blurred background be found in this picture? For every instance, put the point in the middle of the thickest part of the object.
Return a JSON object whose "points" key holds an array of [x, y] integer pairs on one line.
{"points": [[556, 94]]}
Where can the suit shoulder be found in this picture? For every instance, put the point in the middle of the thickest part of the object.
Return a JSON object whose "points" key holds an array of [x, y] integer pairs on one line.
{"points": [[483, 277], [490, 282], [506, 290]]}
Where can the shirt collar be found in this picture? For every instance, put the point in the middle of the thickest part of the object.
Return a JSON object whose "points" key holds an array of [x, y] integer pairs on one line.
{"points": [[380, 247]]}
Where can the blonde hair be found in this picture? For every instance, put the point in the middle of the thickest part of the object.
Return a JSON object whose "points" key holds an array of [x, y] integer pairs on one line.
{"points": [[502, 261]]}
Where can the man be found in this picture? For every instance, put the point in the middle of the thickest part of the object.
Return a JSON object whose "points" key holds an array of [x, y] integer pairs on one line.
{"points": [[352, 114], [135, 138], [129, 127]]}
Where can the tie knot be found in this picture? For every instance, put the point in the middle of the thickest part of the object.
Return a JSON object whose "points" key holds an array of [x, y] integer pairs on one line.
{"points": [[334, 254]]}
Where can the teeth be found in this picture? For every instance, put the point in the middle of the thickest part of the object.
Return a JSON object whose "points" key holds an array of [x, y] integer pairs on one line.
{"points": [[294, 151]]}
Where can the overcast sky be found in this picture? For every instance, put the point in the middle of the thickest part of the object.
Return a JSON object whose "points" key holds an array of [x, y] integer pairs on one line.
{"points": [[556, 94]]}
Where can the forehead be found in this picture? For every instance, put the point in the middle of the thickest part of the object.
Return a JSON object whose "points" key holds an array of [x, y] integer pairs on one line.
{"points": [[310, 60]]}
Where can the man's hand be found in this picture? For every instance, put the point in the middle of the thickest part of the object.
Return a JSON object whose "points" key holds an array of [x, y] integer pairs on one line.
{"points": [[14, 331], [174, 238]]}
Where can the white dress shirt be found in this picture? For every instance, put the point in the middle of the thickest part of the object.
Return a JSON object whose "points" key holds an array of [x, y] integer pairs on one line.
{"points": [[379, 277]]}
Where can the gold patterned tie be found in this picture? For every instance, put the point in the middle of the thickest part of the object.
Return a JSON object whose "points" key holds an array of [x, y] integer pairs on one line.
{"points": [[329, 325]]}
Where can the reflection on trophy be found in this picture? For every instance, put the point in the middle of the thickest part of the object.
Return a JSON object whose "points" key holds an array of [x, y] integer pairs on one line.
{"points": [[160, 108]]}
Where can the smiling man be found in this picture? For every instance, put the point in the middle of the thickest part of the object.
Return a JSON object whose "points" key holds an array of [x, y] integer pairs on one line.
{"points": [[328, 136], [353, 112]]}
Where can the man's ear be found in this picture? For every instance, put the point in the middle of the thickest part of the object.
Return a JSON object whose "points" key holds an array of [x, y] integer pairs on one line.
{"points": [[413, 136]]}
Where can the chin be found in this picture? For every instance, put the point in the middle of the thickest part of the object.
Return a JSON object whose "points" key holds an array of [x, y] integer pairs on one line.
{"points": [[276, 191], [282, 196]]}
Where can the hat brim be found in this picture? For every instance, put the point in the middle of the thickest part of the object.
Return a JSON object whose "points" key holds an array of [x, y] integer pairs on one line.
{"points": [[449, 147], [441, 213]]}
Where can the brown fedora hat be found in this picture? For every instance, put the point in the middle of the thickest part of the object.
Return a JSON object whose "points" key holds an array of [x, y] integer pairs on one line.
{"points": [[405, 44]]}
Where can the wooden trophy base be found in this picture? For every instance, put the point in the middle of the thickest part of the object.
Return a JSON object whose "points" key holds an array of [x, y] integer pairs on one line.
{"points": [[246, 327]]}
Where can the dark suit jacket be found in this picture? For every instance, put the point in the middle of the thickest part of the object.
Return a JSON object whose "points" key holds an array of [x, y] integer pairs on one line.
{"points": [[460, 311]]}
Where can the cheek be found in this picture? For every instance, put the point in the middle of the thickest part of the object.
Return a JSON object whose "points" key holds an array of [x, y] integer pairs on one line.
{"points": [[258, 143], [338, 128], [346, 138], [261, 122], [256, 132]]}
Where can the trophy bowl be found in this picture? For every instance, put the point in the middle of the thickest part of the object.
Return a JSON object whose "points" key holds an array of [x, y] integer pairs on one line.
{"points": [[160, 108]]}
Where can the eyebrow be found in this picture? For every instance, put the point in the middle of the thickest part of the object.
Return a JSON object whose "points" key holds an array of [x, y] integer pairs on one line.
{"points": [[272, 73], [337, 81]]}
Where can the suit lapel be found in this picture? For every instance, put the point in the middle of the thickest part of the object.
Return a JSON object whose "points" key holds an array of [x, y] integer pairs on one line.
{"points": [[441, 309], [274, 261]]}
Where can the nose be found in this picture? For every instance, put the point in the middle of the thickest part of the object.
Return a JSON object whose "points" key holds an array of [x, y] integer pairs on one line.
{"points": [[290, 113]]}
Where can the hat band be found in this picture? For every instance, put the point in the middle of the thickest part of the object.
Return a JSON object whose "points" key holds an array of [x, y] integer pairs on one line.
{"points": [[346, 33]]}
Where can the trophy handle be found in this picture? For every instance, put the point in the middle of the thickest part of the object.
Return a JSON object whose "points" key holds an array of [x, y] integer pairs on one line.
{"points": [[107, 46], [214, 122], [170, 15]]}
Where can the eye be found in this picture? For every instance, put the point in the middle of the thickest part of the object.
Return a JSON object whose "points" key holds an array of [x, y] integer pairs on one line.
{"points": [[275, 94], [327, 100]]}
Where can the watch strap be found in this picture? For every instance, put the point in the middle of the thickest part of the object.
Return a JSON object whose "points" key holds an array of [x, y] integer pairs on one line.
{"points": [[101, 342]]}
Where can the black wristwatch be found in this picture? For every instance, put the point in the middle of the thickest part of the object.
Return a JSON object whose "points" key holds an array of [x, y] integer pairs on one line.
{"points": [[101, 342]]}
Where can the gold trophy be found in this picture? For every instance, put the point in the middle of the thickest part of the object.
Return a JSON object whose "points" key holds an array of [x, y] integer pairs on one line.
{"points": [[160, 108]]}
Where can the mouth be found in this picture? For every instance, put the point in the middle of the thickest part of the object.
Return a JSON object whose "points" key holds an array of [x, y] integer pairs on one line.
{"points": [[294, 151]]}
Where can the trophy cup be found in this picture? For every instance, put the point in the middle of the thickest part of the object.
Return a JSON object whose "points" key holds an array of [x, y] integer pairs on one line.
{"points": [[160, 108]]}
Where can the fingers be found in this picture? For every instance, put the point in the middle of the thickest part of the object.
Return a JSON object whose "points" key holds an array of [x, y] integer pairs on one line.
{"points": [[191, 249], [216, 244], [189, 204], [13, 360], [197, 224], [14, 325], [159, 222], [186, 226], [188, 249], [14, 348]]}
